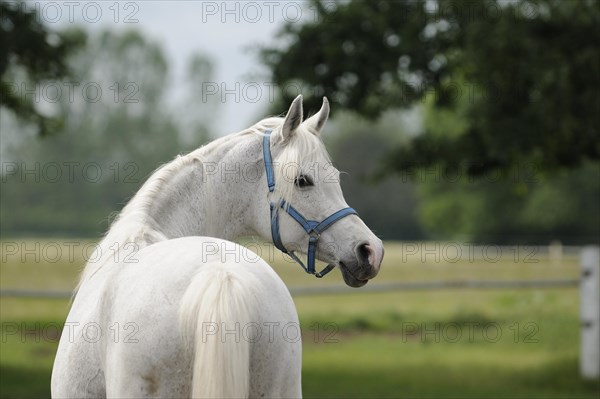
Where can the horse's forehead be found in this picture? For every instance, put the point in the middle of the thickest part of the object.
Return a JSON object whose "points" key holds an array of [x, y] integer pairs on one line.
{"points": [[319, 156]]}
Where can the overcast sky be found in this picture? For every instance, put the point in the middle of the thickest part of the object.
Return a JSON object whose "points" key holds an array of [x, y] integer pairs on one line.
{"points": [[223, 30]]}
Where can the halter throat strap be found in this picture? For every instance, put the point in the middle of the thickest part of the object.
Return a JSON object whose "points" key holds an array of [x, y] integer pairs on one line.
{"points": [[312, 227]]}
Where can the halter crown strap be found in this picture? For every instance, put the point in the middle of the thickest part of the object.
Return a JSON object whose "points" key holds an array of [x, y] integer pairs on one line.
{"points": [[312, 227], [268, 161]]}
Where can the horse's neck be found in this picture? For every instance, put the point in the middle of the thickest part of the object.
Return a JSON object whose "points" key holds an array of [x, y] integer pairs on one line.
{"points": [[196, 196], [192, 195]]}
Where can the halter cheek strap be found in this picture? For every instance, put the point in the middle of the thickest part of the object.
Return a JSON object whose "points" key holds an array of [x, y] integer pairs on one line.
{"points": [[312, 227]]}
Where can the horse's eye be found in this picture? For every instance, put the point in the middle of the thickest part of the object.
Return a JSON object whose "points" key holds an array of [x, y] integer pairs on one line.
{"points": [[303, 181]]}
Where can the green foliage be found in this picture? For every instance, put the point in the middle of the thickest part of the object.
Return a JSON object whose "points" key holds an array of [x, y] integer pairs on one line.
{"points": [[30, 54], [530, 69], [520, 205]]}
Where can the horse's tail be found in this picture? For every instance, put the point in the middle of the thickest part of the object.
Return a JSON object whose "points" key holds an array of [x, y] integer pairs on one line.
{"points": [[217, 305]]}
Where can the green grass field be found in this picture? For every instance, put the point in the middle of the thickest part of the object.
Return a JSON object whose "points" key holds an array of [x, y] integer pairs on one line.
{"points": [[468, 343]]}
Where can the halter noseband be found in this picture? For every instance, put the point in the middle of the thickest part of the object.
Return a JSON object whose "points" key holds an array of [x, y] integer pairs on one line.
{"points": [[312, 227]]}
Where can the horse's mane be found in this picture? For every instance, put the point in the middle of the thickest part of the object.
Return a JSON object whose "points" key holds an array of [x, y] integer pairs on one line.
{"points": [[134, 228]]}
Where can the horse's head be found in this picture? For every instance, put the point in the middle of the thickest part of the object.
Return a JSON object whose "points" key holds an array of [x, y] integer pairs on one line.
{"points": [[309, 186]]}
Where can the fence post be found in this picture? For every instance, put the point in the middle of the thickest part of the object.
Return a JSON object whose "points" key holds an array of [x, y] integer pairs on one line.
{"points": [[589, 360]]}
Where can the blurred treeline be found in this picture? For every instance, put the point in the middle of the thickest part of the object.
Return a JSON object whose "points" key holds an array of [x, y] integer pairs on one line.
{"points": [[69, 183], [116, 126]]}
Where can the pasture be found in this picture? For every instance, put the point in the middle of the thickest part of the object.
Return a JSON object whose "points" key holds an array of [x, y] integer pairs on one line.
{"points": [[493, 343]]}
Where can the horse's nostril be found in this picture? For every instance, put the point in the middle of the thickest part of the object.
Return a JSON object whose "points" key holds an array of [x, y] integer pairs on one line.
{"points": [[363, 252]]}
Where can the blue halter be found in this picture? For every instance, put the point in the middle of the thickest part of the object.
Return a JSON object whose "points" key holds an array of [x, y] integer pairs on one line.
{"points": [[312, 227]]}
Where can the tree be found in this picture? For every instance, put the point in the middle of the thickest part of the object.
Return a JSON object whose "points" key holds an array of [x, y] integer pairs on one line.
{"points": [[522, 204], [31, 54], [530, 69]]}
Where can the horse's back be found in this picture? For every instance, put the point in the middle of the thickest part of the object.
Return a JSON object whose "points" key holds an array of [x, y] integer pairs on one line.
{"points": [[135, 306]]}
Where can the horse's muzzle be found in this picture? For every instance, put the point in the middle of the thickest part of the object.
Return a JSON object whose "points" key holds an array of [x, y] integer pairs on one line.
{"points": [[366, 264]]}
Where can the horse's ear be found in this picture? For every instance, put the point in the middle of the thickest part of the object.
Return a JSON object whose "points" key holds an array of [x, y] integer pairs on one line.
{"points": [[316, 122], [293, 119]]}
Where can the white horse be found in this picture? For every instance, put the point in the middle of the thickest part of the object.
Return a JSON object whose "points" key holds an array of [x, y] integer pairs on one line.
{"points": [[165, 309]]}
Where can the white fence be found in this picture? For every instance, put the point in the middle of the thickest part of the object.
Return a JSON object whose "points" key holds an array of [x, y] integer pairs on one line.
{"points": [[589, 359]]}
